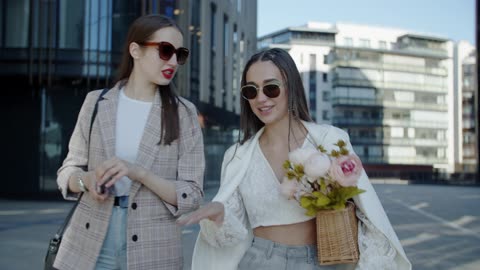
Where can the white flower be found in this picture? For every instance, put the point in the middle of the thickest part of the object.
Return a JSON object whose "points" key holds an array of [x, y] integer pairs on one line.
{"points": [[317, 165], [288, 187], [304, 188], [300, 155]]}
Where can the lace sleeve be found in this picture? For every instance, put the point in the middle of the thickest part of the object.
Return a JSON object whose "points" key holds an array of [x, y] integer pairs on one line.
{"points": [[376, 251], [234, 227]]}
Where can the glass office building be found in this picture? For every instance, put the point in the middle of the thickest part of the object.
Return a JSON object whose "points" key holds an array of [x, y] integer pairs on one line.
{"points": [[54, 52]]}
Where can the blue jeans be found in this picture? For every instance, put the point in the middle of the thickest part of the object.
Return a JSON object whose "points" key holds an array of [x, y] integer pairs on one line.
{"points": [[113, 254], [264, 254]]}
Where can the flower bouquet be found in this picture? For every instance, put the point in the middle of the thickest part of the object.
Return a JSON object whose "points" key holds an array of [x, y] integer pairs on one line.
{"points": [[324, 183]]}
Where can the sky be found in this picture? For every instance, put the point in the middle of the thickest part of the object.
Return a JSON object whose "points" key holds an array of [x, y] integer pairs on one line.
{"points": [[452, 19]]}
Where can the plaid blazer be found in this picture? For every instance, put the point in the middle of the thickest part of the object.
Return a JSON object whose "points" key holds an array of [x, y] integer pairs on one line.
{"points": [[153, 238]]}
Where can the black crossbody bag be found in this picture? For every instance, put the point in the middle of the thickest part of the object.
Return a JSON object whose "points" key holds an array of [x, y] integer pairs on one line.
{"points": [[56, 240]]}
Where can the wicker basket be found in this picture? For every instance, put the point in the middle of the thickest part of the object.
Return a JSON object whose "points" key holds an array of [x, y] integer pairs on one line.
{"points": [[337, 236]]}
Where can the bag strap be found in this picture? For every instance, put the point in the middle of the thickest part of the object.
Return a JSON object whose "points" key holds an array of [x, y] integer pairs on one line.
{"points": [[60, 230]]}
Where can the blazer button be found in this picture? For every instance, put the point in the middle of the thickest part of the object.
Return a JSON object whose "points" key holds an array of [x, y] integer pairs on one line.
{"points": [[134, 238], [87, 225], [184, 195], [134, 206]]}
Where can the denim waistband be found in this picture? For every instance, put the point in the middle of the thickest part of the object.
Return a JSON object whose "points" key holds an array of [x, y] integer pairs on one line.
{"points": [[121, 201], [302, 251]]}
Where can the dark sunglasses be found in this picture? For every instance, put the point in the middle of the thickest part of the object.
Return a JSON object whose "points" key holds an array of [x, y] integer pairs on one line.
{"points": [[271, 90], [166, 51]]}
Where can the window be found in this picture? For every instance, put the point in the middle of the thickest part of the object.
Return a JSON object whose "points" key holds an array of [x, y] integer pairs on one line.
{"points": [[312, 85], [365, 43], [365, 151], [213, 14], [313, 62], [16, 23], [348, 41], [226, 44], [325, 59], [324, 76], [71, 24], [326, 95], [382, 45], [325, 115], [226, 36], [397, 132]]}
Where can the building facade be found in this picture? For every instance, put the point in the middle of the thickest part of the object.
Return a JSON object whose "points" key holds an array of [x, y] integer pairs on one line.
{"points": [[54, 52], [466, 89], [391, 89]]}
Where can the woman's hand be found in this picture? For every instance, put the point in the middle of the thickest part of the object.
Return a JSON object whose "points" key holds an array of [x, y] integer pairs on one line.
{"points": [[100, 180], [214, 211], [112, 170], [91, 181]]}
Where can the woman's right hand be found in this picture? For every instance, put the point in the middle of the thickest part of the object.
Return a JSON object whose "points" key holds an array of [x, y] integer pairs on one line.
{"points": [[90, 179], [214, 211]]}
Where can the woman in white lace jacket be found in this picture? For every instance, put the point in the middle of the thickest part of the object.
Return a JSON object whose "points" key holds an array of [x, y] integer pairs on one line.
{"points": [[249, 224]]}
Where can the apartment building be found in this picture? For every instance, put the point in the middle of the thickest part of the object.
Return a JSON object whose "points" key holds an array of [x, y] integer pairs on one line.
{"points": [[391, 89], [466, 90]]}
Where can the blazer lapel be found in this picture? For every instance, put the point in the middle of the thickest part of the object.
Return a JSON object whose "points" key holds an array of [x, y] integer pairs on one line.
{"points": [[107, 115], [237, 168]]}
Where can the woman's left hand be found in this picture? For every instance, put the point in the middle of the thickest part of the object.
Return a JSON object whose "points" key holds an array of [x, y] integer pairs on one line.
{"points": [[110, 171], [215, 211]]}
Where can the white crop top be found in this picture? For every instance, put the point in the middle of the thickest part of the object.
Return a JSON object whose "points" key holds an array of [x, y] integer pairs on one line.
{"points": [[260, 191], [256, 202]]}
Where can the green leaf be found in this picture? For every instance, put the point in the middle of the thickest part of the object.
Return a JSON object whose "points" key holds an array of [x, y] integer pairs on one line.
{"points": [[340, 143], [322, 201], [323, 186], [349, 192], [305, 201], [291, 174], [334, 153], [311, 212], [343, 151], [286, 164], [322, 149], [298, 168], [339, 206]]}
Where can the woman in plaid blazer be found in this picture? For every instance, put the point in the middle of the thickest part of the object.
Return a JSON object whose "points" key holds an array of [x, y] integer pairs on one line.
{"points": [[140, 163]]}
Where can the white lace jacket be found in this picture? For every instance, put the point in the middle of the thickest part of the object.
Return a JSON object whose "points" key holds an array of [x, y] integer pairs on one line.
{"points": [[223, 247]]}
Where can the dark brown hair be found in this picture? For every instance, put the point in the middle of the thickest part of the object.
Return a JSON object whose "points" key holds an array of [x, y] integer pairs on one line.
{"points": [[297, 102], [142, 30]]}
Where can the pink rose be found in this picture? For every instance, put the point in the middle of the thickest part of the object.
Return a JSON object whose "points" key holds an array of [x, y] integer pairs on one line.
{"points": [[288, 188], [317, 165], [346, 170]]}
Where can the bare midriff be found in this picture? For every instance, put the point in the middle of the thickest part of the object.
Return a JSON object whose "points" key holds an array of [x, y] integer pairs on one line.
{"points": [[303, 233]]}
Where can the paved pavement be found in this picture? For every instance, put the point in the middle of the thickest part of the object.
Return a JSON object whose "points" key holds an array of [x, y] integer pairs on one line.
{"points": [[26, 227], [439, 227]]}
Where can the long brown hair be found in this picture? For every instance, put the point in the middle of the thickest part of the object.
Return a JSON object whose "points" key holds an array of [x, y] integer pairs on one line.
{"points": [[297, 102], [141, 31]]}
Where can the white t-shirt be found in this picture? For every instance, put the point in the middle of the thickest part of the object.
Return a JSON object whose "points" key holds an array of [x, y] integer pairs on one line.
{"points": [[132, 116]]}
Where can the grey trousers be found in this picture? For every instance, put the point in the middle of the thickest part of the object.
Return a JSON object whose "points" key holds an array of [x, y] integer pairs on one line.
{"points": [[267, 255]]}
